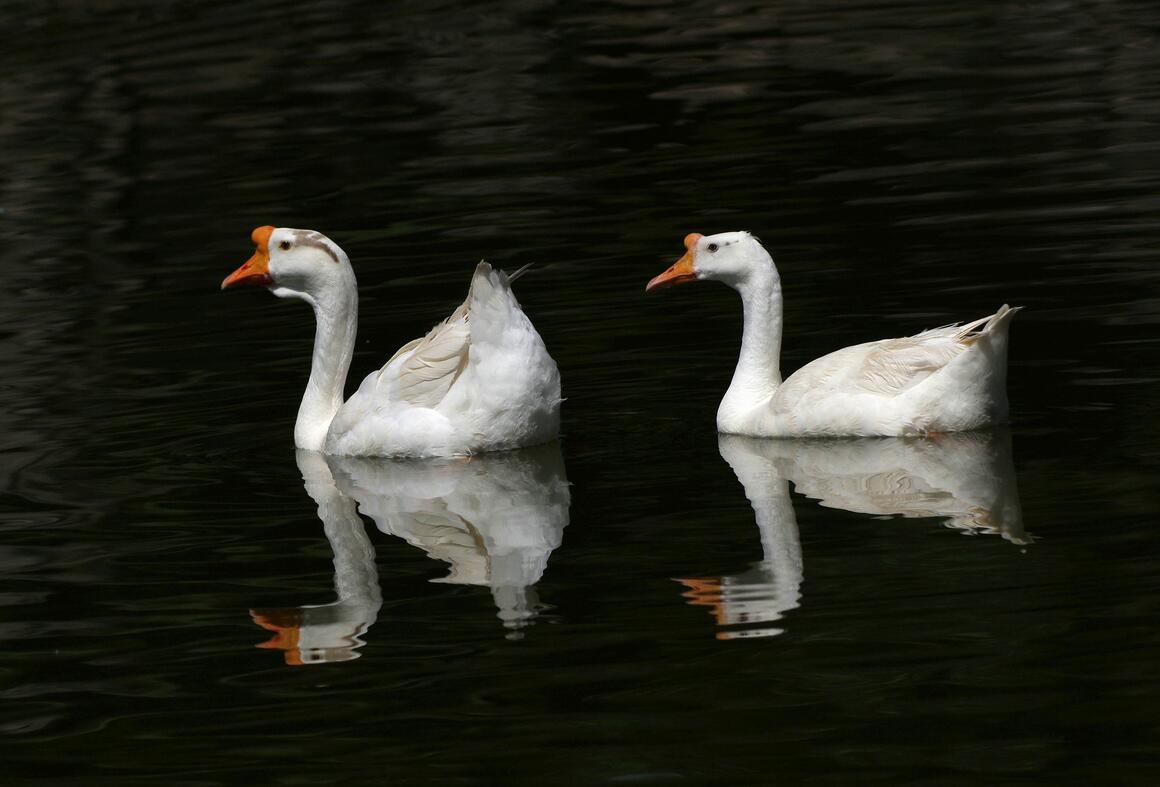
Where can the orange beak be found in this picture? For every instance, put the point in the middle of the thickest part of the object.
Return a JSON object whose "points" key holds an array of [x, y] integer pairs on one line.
{"points": [[255, 270], [681, 271]]}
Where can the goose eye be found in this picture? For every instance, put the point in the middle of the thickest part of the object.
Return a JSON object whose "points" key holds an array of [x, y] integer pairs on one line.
{"points": [[284, 245], [712, 247]]}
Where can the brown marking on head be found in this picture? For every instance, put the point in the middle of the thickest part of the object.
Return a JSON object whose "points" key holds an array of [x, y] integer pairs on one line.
{"points": [[314, 240]]}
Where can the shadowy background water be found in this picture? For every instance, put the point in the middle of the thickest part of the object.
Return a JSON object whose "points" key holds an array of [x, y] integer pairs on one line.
{"points": [[909, 164]]}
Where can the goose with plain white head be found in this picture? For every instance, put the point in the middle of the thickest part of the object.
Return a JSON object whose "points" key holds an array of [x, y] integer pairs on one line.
{"points": [[481, 380], [947, 379]]}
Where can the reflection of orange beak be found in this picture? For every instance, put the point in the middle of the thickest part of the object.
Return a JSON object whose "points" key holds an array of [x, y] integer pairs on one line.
{"points": [[681, 270], [255, 270], [287, 627]]}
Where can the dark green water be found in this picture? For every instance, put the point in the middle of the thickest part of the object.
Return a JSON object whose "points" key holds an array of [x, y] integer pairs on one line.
{"points": [[973, 611]]}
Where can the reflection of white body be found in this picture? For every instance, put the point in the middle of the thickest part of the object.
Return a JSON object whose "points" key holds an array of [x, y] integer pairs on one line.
{"points": [[330, 632], [495, 517], [967, 479]]}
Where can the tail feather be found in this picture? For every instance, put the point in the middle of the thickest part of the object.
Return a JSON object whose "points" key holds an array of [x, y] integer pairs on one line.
{"points": [[520, 272], [491, 303], [990, 325], [484, 268]]}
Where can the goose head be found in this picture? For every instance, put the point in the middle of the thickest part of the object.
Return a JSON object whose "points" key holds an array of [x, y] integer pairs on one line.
{"points": [[731, 257], [294, 264]]}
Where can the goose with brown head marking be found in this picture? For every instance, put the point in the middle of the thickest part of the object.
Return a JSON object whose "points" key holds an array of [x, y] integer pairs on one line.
{"points": [[948, 379], [481, 380]]}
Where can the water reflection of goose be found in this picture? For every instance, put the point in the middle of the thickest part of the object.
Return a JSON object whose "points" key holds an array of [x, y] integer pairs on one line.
{"points": [[967, 479], [495, 518], [319, 633]]}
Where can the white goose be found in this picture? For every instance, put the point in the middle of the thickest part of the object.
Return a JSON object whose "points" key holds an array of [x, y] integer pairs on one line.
{"points": [[947, 379], [481, 380]]}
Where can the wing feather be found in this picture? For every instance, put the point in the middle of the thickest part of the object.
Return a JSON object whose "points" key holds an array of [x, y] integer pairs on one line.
{"points": [[422, 371], [435, 361], [893, 366]]}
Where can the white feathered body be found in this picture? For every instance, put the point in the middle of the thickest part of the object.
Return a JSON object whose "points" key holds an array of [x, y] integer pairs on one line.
{"points": [[482, 380], [948, 379]]}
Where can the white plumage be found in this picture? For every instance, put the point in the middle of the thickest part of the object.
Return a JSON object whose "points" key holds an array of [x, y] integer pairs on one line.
{"points": [[946, 379], [481, 380]]}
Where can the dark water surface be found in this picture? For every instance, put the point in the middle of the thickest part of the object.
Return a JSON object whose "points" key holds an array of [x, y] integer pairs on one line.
{"points": [[643, 603]]}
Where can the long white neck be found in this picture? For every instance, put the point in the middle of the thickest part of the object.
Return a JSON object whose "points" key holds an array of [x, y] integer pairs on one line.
{"points": [[758, 372], [336, 319]]}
